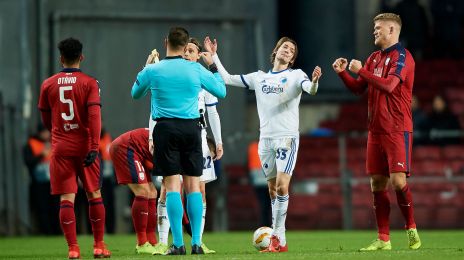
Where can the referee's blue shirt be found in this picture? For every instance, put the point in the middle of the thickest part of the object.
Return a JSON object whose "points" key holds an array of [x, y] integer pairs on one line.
{"points": [[175, 83]]}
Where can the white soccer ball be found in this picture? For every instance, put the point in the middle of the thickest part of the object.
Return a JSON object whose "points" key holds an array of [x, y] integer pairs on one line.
{"points": [[262, 238]]}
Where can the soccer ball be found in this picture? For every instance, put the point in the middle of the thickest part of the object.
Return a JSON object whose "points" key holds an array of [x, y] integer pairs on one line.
{"points": [[262, 238]]}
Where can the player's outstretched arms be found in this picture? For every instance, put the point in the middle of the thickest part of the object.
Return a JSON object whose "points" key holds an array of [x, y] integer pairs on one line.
{"points": [[232, 80]]}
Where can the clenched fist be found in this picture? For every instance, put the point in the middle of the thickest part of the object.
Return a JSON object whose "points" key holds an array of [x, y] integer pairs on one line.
{"points": [[339, 65], [355, 66]]}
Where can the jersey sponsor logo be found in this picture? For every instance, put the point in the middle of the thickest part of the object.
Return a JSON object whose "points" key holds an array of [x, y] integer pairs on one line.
{"points": [[401, 164], [271, 88], [68, 127]]}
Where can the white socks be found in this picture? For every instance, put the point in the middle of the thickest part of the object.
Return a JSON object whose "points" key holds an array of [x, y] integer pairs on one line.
{"points": [[163, 223], [203, 221], [279, 214], [273, 212]]}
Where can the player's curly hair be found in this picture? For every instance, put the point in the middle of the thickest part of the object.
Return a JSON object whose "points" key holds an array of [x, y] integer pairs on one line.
{"points": [[389, 17], [279, 43], [197, 43], [70, 50]]}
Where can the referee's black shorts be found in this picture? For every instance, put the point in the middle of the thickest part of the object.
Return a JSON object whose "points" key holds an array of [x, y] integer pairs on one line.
{"points": [[178, 147]]}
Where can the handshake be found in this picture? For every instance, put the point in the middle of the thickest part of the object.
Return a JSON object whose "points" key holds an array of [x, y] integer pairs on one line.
{"points": [[153, 57]]}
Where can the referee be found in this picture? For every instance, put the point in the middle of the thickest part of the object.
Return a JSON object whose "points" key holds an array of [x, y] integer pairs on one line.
{"points": [[174, 84]]}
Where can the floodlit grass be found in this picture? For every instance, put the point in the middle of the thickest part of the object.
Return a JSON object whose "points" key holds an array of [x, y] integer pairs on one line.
{"points": [[237, 245]]}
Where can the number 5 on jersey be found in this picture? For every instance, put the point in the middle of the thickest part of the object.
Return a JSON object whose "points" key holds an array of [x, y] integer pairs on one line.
{"points": [[67, 101]]}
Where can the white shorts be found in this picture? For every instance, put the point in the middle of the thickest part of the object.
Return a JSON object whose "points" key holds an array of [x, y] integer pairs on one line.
{"points": [[278, 155], [209, 174]]}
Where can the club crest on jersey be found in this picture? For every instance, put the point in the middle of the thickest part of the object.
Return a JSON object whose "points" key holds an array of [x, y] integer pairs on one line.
{"points": [[271, 88], [141, 176]]}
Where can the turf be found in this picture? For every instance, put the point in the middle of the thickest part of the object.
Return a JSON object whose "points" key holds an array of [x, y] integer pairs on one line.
{"points": [[237, 245]]}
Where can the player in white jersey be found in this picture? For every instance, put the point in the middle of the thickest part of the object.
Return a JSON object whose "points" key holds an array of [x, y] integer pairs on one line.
{"points": [[206, 102], [278, 94]]}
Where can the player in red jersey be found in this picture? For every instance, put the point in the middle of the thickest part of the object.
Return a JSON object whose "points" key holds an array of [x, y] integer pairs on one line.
{"points": [[132, 162], [388, 76], [69, 103]]}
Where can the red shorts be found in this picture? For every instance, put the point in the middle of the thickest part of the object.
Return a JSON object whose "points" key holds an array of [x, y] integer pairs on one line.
{"points": [[64, 171], [128, 165], [389, 153]]}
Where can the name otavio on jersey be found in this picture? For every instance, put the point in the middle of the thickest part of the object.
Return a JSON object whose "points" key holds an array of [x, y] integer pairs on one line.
{"points": [[273, 87]]}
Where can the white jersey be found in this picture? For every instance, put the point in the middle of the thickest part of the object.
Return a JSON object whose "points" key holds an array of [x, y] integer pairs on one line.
{"points": [[206, 99], [278, 96]]}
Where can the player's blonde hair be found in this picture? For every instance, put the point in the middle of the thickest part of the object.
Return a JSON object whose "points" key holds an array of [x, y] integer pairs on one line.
{"points": [[388, 17], [279, 43]]}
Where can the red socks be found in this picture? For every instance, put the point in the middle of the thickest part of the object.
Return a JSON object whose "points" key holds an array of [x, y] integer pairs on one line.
{"points": [[151, 225], [404, 198], [68, 221], [382, 214], [140, 218], [97, 218]]}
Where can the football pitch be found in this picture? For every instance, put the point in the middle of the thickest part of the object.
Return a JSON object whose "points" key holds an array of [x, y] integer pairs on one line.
{"points": [[237, 245]]}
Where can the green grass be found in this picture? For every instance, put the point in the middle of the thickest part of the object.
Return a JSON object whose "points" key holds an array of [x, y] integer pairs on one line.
{"points": [[237, 245]]}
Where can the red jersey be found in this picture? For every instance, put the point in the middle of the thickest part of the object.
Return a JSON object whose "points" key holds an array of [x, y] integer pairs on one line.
{"points": [[70, 104], [389, 105], [137, 140]]}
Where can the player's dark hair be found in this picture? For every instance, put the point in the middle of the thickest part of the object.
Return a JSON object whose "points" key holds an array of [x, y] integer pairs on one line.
{"points": [[178, 37], [70, 50], [197, 43], [279, 43], [211, 146]]}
